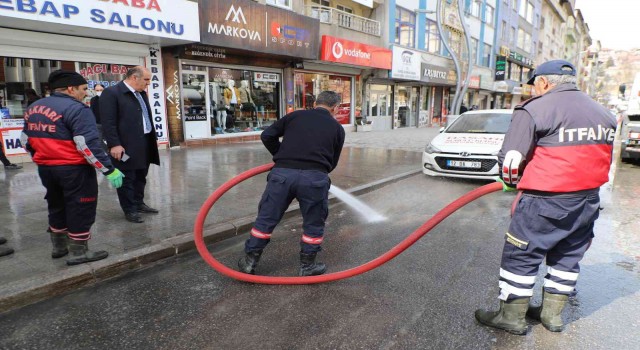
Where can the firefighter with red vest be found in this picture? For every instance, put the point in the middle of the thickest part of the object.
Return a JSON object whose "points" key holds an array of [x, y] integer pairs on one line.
{"points": [[557, 152], [61, 134]]}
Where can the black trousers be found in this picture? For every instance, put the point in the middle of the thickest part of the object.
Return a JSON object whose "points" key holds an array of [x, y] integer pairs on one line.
{"points": [[72, 198], [131, 194], [3, 158]]}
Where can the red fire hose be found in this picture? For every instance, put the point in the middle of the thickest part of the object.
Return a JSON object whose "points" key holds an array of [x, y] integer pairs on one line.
{"points": [[334, 276]]}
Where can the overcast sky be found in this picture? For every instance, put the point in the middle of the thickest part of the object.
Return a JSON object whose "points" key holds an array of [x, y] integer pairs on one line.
{"points": [[614, 22]]}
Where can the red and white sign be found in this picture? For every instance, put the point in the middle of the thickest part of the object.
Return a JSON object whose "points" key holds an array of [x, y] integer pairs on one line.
{"points": [[350, 52]]}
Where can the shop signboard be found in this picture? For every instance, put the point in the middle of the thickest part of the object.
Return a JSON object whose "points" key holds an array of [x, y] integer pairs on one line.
{"points": [[406, 64], [436, 74], [175, 19], [11, 130], [261, 28], [474, 82], [156, 94], [350, 52], [501, 67], [266, 77]]}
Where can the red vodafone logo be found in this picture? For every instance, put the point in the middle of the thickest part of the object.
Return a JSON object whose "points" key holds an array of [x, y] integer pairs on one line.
{"points": [[337, 50]]}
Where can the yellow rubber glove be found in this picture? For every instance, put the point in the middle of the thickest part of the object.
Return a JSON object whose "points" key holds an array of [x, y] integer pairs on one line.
{"points": [[116, 178], [505, 187]]}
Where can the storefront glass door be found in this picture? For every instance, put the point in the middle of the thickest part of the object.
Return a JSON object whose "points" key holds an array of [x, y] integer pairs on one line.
{"points": [[195, 104]]}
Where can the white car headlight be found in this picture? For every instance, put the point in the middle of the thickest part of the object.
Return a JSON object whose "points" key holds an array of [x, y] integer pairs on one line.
{"points": [[431, 149]]}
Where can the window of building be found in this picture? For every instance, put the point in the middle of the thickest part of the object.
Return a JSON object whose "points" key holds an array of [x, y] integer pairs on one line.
{"points": [[514, 4], [505, 31], [526, 11], [489, 14], [474, 50], [513, 36], [542, 23], [405, 27], [433, 37], [321, 12], [476, 6], [486, 55], [344, 9], [280, 3]]}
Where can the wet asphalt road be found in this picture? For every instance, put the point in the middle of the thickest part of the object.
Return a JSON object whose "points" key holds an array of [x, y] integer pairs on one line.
{"points": [[423, 299]]}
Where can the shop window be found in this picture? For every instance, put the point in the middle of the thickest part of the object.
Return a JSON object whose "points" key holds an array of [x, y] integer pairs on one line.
{"points": [[22, 82], [101, 73], [309, 85], [405, 27]]}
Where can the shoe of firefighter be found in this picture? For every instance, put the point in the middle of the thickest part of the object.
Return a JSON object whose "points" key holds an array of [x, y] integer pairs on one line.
{"points": [[59, 242], [309, 266], [550, 312], [248, 263], [5, 251], [510, 317], [79, 253]]}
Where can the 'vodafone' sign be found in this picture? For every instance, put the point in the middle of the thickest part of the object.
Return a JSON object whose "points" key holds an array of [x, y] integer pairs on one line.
{"points": [[351, 52]]}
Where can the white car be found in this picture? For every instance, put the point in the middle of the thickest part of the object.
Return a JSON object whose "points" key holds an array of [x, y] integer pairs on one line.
{"points": [[468, 148]]}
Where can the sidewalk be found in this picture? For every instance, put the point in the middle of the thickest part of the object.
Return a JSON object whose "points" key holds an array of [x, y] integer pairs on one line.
{"points": [[177, 188]]}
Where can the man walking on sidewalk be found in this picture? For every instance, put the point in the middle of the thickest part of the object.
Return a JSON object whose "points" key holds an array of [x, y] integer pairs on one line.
{"points": [[309, 151], [61, 135], [131, 138]]}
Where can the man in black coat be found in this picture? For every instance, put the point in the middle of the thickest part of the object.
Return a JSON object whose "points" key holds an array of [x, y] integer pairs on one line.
{"points": [[128, 129]]}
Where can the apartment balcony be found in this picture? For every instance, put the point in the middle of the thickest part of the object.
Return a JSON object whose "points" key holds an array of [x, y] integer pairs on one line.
{"points": [[343, 19]]}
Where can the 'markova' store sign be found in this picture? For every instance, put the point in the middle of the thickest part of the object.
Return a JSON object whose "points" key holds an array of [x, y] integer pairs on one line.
{"points": [[251, 26]]}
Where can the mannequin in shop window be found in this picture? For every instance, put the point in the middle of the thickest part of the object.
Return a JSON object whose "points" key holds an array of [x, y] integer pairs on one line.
{"points": [[231, 101], [260, 100], [247, 107]]}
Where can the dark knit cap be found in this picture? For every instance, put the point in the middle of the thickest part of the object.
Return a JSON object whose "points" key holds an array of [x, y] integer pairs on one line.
{"points": [[63, 78]]}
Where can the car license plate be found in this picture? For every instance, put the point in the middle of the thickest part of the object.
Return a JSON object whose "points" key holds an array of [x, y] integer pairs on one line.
{"points": [[464, 164]]}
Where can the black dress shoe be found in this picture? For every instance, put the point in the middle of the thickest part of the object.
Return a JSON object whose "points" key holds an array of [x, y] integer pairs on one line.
{"points": [[143, 208], [133, 217]]}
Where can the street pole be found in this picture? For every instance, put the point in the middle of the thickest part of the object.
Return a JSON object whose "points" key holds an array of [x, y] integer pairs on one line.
{"points": [[467, 38], [456, 63]]}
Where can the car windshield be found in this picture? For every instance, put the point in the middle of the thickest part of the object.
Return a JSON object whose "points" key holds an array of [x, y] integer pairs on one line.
{"points": [[481, 123]]}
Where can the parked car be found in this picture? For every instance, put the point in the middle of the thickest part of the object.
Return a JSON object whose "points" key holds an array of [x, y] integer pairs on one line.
{"points": [[630, 135], [468, 147], [344, 112]]}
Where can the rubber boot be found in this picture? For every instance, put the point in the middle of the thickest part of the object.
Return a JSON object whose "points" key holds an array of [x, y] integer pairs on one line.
{"points": [[59, 241], [550, 312], [249, 262], [80, 253], [510, 317], [309, 266]]}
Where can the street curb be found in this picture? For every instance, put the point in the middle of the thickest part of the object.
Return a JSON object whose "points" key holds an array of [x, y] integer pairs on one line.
{"points": [[45, 286]]}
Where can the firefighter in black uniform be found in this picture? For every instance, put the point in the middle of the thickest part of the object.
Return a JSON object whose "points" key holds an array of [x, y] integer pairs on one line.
{"points": [[558, 152], [60, 133], [310, 149]]}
